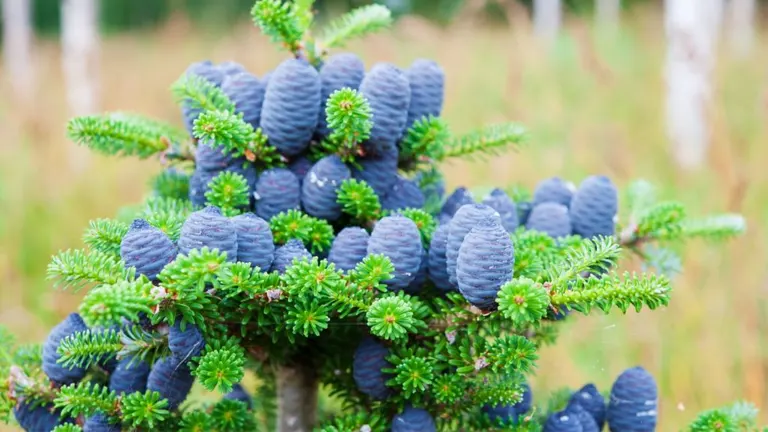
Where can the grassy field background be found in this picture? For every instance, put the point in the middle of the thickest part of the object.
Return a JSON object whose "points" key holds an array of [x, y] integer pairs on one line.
{"points": [[593, 105]]}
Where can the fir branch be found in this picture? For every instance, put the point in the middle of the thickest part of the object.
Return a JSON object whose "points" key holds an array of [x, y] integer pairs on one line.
{"points": [[171, 183], [144, 410], [308, 317], [119, 135], [598, 253], [67, 427], [355, 421], [142, 345], [83, 349], [502, 389], [221, 368], [196, 92], [278, 21], [229, 192], [449, 388], [425, 140], [512, 354], [661, 221], [228, 130], [718, 227], [358, 200], [167, 214], [311, 277], [196, 421], [85, 398], [232, 416], [105, 235], [302, 10], [610, 290], [349, 119], [489, 140], [424, 222], [371, 272], [77, 268], [356, 23], [391, 318], [413, 375], [523, 301], [320, 236], [108, 305]]}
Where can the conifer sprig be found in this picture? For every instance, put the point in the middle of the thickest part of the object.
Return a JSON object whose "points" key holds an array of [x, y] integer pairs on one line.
{"points": [[315, 233], [86, 398], [76, 268], [107, 305], [171, 183], [238, 138], [229, 192], [86, 348], [610, 290], [279, 21], [105, 235], [144, 409], [349, 118], [490, 140], [358, 200], [197, 92], [117, 135], [221, 367], [356, 23], [424, 222], [424, 141]]}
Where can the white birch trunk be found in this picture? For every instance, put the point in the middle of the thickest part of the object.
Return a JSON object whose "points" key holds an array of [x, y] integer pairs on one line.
{"points": [[691, 28], [80, 50], [547, 18], [607, 13], [17, 48], [741, 26]]}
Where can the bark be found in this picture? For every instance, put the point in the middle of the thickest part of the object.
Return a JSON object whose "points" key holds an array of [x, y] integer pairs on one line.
{"points": [[547, 18], [297, 387], [17, 48], [741, 26]]}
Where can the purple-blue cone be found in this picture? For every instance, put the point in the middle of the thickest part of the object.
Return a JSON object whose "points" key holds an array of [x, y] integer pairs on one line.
{"points": [[399, 239], [594, 207], [198, 186], [291, 106], [379, 170], [238, 393], [633, 404], [320, 186], [367, 364], [554, 190], [427, 81], [524, 211], [585, 419], [276, 191], [247, 93], [130, 376], [147, 248], [187, 343], [462, 223], [212, 158], [551, 219], [210, 72], [208, 228], [300, 167], [172, 379], [230, 67], [500, 201], [460, 197], [339, 71], [41, 418], [403, 194], [285, 254], [349, 248], [592, 401], [387, 90], [413, 420], [438, 267], [254, 241], [511, 413], [562, 421], [436, 188], [58, 373], [485, 263], [421, 275], [100, 423]]}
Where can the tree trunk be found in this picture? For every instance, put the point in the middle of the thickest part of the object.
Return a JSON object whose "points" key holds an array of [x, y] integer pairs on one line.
{"points": [[547, 18], [607, 13], [17, 48], [741, 26], [691, 28], [297, 387]]}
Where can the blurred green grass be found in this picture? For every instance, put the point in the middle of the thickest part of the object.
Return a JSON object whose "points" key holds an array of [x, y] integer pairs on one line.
{"points": [[593, 103]]}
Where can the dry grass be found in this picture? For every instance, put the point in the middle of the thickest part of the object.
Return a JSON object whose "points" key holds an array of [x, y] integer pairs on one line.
{"points": [[591, 107]]}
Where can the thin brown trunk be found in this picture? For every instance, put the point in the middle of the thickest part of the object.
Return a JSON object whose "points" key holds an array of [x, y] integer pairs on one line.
{"points": [[297, 387]]}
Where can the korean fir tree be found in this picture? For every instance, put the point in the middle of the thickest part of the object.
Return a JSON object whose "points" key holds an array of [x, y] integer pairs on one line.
{"points": [[300, 233]]}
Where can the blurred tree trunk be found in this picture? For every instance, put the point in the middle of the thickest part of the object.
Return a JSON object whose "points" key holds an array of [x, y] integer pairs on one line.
{"points": [[607, 13], [547, 18], [741, 26], [691, 29], [17, 49], [80, 62]]}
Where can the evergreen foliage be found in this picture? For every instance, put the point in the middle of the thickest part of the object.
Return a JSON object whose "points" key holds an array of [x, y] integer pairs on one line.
{"points": [[402, 341]]}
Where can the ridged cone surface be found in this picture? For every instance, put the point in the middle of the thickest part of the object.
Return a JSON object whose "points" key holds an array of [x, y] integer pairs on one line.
{"points": [[562, 421], [399, 239], [413, 420], [458, 198], [291, 106], [594, 207], [586, 420], [379, 171], [207, 227], [147, 248], [438, 267], [187, 343], [277, 191], [554, 190], [427, 81], [300, 167], [503, 204], [285, 254], [550, 218], [247, 93], [462, 223], [230, 67], [254, 241], [198, 186], [486, 260], [368, 361], [389, 95], [349, 248], [403, 194], [100, 423], [339, 71], [633, 406], [211, 157], [37, 419], [524, 211], [320, 186], [58, 373], [129, 377], [592, 401], [238, 393], [172, 379], [210, 72], [421, 275]]}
